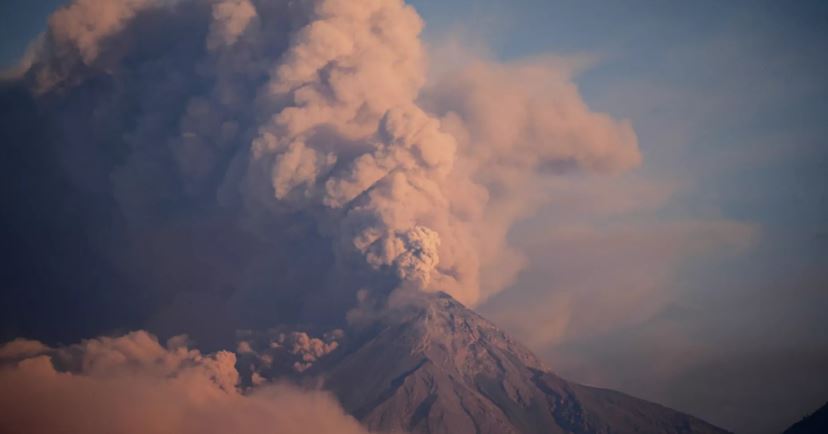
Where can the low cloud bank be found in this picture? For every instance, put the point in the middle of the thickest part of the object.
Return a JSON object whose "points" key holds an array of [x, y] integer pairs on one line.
{"points": [[133, 384]]}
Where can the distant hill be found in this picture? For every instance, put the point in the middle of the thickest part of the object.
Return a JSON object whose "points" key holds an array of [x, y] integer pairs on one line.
{"points": [[816, 423]]}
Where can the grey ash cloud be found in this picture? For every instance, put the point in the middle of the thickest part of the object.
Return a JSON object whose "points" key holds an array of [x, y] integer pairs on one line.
{"points": [[207, 166]]}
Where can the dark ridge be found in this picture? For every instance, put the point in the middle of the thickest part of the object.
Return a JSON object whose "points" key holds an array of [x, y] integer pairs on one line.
{"points": [[815, 423]]}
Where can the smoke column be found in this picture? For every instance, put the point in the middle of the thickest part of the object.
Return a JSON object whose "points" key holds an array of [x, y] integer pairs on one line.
{"points": [[248, 162]]}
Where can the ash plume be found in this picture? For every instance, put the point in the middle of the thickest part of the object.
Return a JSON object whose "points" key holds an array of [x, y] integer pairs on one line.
{"points": [[219, 164]]}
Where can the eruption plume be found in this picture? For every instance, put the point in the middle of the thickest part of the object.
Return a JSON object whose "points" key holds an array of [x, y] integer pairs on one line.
{"points": [[303, 138]]}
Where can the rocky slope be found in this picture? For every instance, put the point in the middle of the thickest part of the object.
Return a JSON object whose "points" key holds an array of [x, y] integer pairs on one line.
{"points": [[439, 368]]}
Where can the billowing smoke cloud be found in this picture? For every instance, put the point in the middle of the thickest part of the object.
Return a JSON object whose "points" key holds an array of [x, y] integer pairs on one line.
{"points": [[85, 23], [517, 125], [274, 353], [247, 162], [77, 31], [353, 142], [230, 19], [132, 384], [208, 166]]}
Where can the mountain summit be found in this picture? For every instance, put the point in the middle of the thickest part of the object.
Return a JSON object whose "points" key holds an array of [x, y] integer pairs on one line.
{"points": [[439, 368]]}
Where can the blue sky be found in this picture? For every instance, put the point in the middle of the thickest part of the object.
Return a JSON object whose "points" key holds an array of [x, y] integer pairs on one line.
{"points": [[720, 238], [20, 22]]}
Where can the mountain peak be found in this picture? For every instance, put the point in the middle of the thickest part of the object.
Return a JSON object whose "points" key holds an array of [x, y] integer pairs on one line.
{"points": [[449, 331], [437, 367]]}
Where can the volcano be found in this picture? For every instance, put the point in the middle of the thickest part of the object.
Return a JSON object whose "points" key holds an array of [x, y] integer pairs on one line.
{"points": [[436, 367]]}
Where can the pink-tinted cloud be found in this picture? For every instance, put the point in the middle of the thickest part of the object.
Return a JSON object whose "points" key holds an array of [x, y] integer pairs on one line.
{"points": [[322, 118], [601, 258], [519, 126], [230, 20], [132, 384], [83, 24]]}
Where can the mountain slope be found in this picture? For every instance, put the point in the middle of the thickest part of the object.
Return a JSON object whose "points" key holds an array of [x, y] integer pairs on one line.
{"points": [[815, 423], [439, 368]]}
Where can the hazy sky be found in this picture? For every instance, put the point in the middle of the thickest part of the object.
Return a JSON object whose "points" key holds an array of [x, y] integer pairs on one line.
{"points": [[704, 287], [700, 279]]}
